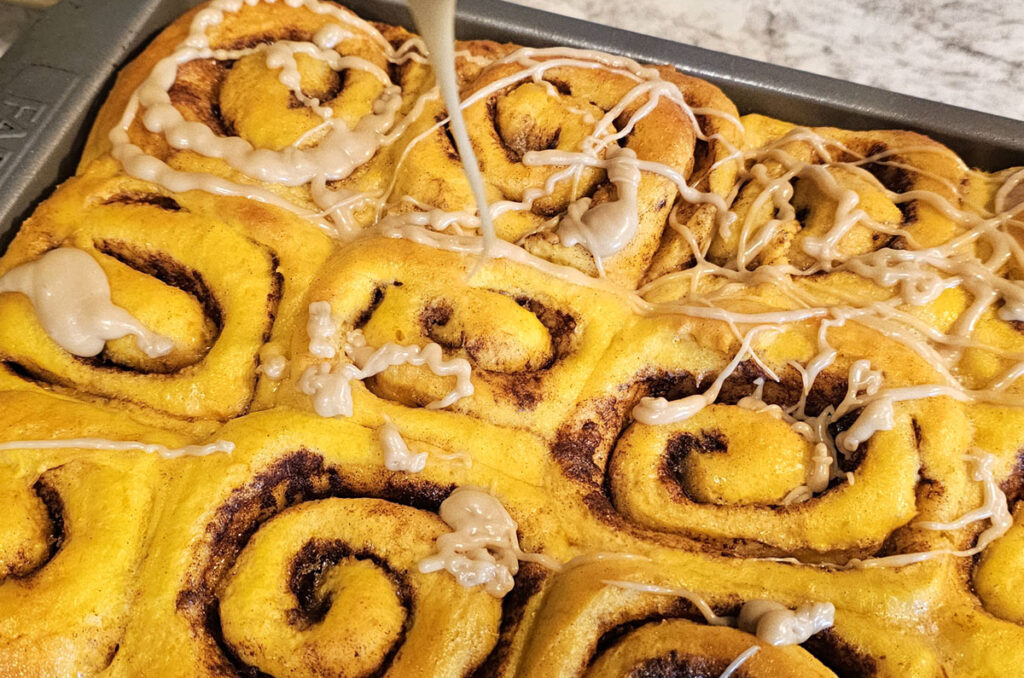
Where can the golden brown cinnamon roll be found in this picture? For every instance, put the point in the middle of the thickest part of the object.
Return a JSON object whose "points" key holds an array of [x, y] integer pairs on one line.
{"points": [[743, 475], [220, 279], [582, 157], [512, 348], [75, 528], [301, 538], [297, 105], [814, 196], [621, 616]]}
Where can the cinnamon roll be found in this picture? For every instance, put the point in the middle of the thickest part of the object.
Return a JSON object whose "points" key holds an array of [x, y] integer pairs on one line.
{"points": [[301, 105], [219, 280], [75, 528], [688, 435], [620, 616], [301, 538], [815, 196], [566, 140], [512, 347]]}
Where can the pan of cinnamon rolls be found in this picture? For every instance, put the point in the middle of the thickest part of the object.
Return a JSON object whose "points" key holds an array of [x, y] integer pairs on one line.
{"points": [[720, 395]]}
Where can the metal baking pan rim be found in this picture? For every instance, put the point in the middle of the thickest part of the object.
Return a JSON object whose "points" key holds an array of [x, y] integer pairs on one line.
{"points": [[54, 77]]}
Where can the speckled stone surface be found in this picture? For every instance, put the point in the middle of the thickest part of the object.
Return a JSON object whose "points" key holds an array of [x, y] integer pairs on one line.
{"points": [[969, 52]]}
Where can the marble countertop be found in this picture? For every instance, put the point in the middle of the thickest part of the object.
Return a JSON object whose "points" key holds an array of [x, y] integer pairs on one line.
{"points": [[966, 52]]}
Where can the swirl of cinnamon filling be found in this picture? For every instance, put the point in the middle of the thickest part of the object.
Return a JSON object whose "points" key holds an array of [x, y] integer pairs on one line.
{"points": [[695, 434], [301, 554], [524, 344], [75, 531], [582, 155], [164, 262], [284, 102], [346, 593], [815, 197]]}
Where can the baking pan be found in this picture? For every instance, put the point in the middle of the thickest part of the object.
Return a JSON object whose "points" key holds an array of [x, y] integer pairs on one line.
{"points": [[54, 77]]}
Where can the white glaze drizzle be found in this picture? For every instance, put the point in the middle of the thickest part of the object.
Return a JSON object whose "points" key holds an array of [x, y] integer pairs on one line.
{"points": [[330, 387], [273, 363], [771, 622], [371, 361], [572, 161], [71, 297], [397, 455], [274, 366], [217, 447], [659, 411], [776, 624], [322, 330], [696, 600], [914, 272], [330, 384], [994, 508], [877, 415], [735, 664], [607, 228], [435, 20], [483, 547]]}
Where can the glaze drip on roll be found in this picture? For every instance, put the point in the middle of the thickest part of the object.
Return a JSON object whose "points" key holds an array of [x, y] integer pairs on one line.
{"points": [[218, 447], [776, 624], [483, 547], [397, 455], [71, 296]]}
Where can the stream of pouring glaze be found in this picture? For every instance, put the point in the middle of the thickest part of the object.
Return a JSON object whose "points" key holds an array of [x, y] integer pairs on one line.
{"points": [[435, 20]]}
